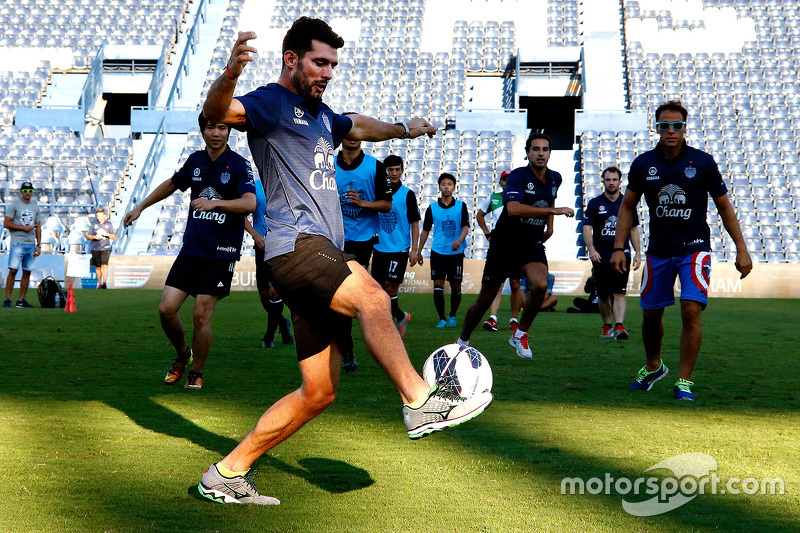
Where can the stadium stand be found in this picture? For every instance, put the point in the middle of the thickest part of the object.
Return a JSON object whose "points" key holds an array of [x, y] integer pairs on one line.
{"points": [[741, 89]]}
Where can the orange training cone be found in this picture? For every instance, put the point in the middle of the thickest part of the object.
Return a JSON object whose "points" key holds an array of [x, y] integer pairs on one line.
{"points": [[70, 308]]}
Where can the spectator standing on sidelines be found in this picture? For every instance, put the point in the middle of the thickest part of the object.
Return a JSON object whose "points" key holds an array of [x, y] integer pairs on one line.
{"points": [[449, 220], [517, 243], [292, 135], [23, 220], [676, 181], [599, 230], [270, 299], [364, 192], [101, 233], [398, 236], [222, 192], [492, 206]]}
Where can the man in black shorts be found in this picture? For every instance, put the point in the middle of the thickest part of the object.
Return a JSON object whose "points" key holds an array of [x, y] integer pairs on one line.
{"points": [[398, 236], [223, 192], [292, 136], [599, 230], [517, 243], [449, 220], [364, 193], [101, 233]]}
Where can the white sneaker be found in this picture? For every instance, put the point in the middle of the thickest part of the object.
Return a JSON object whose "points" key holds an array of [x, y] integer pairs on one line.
{"points": [[521, 345]]}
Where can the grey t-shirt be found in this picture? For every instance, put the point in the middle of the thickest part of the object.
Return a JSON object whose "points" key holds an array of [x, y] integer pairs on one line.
{"points": [[24, 215], [292, 140]]}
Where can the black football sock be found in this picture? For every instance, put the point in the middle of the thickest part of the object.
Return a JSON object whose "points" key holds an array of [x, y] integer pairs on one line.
{"points": [[438, 301], [396, 312], [455, 302]]}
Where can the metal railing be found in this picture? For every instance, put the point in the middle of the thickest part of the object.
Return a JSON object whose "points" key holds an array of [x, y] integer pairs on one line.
{"points": [[142, 186], [191, 44]]}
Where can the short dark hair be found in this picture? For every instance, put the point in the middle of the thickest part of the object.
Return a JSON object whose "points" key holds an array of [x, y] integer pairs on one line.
{"points": [[393, 161], [306, 29], [611, 169], [100, 210], [202, 121], [672, 105], [536, 135], [446, 176]]}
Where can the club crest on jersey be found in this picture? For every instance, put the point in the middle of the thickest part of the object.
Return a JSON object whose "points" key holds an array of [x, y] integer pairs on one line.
{"points": [[327, 122], [225, 177], [449, 228], [530, 186], [388, 221], [690, 172], [601, 209]]}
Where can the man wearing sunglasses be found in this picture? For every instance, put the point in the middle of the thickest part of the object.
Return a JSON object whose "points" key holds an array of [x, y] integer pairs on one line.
{"points": [[23, 221], [676, 181]]}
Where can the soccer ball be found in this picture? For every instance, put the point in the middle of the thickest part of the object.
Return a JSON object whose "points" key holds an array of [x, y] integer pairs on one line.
{"points": [[463, 370]]}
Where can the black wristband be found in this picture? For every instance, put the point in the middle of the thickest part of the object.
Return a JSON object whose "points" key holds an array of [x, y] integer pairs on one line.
{"points": [[619, 249]]}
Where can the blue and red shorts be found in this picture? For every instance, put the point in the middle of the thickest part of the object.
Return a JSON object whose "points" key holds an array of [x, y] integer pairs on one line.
{"points": [[658, 280]]}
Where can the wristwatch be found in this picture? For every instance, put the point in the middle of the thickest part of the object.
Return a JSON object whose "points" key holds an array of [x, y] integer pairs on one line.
{"points": [[404, 123]]}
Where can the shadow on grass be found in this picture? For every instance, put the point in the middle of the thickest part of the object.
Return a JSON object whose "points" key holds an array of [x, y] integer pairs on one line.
{"points": [[330, 475]]}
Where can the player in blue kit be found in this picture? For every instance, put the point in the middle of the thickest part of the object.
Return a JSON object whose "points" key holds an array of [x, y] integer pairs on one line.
{"points": [[223, 192], [292, 136], [364, 192], [398, 235], [599, 231], [449, 220], [517, 243], [675, 180]]}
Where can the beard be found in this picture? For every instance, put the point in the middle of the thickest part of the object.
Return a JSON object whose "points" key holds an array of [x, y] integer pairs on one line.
{"points": [[303, 85]]}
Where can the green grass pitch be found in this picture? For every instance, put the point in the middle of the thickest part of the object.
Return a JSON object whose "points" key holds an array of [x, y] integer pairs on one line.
{"points": [[91, 441]]}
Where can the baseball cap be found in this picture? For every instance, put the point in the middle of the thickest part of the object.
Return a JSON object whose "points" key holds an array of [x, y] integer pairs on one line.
{"points": [[26, 185], [504, 174]]}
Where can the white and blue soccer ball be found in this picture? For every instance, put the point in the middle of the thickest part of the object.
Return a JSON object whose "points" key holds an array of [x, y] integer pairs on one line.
{"points": [[462, 369]]}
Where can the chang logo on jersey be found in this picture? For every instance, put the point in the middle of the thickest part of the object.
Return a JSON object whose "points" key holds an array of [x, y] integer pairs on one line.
{"points": [[209, 193], [323, 177], [388, 221], [610, 228], [670, 200], [536, 221]]}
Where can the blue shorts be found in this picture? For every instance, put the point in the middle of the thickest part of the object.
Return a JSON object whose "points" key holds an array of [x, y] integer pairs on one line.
{"points": [[658, 280], [21, 254]]}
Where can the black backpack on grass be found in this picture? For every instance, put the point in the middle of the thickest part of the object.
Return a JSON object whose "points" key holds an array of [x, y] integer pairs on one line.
{"points": [[48, 290]]}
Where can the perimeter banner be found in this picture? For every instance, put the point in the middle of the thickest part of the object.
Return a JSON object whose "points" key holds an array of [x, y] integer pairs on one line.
{"points": [[766, 280]]}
